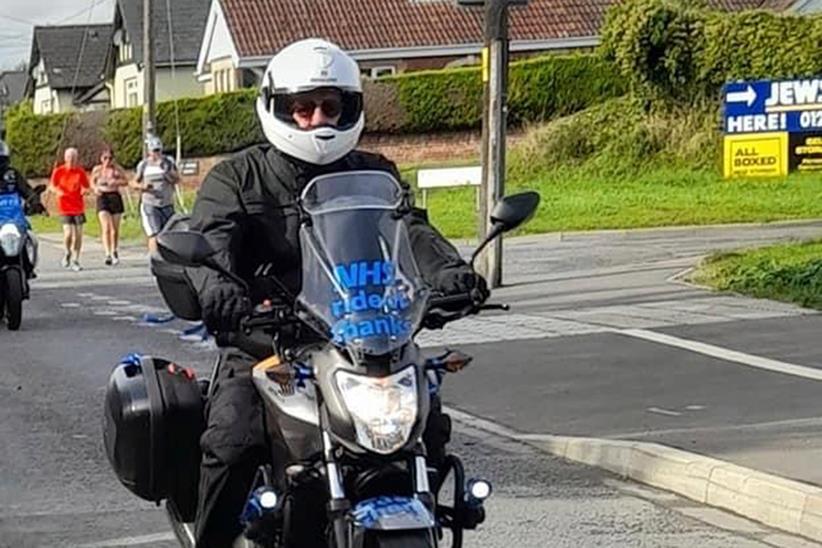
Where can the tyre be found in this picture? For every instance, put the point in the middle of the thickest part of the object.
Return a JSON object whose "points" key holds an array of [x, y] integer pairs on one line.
{"points": [[14, 298]]}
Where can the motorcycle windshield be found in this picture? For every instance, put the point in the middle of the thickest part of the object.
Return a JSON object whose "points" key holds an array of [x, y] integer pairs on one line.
{"points": [[360, 279], [11, 209]]}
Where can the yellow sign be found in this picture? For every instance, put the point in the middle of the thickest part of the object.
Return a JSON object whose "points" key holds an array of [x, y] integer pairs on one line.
{"points": [[756, 155], [486, 61]]}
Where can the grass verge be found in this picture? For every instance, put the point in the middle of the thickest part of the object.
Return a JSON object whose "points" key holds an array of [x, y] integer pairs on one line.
{"points": [[787, 272]]}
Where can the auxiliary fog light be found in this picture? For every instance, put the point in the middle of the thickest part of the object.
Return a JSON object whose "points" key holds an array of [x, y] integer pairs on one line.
{"points": [[268, 499], [477, 490]]}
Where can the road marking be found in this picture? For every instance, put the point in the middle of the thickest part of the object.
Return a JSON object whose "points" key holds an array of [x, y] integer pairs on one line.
{"points": [[695, 407], [70, 305], [666, 412], [725, 354], [119, 303], [131, 541]]}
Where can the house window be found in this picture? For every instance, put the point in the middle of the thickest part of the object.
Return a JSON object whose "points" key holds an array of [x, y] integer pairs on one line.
{"points": [[131, 92], [387, 70], [45, 106]]}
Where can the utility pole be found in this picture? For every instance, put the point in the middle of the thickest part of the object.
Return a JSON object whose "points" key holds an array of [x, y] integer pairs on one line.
{"points": [[495, 76], [149, 103], [495, 112]]}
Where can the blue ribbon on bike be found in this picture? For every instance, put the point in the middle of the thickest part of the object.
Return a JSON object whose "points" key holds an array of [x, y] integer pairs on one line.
{"points": [[197, 330], [157, 319]]}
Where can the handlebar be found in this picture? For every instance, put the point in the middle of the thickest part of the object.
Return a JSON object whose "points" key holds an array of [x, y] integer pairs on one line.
{"points": [[445, 309], [441, 310]]}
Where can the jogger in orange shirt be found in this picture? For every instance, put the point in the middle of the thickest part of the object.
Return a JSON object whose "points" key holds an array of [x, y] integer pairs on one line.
{"points": [[70, 182]]}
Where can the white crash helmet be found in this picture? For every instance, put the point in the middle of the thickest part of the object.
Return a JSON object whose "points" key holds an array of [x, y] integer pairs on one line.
{"points": [[305, 66]]}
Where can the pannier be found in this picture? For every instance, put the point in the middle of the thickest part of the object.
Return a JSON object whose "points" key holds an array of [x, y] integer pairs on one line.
{"points": [[173, 281], [153, 420]]}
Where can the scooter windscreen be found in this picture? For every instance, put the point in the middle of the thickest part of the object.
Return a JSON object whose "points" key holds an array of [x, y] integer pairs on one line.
{"points": [[360, 279]]}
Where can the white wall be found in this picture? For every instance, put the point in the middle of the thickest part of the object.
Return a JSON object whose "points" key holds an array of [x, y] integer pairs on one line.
{"points": [[184, 84], [122, 75]]}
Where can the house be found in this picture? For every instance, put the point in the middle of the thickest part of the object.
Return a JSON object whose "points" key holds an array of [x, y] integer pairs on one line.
{"points": [[176, 46], [391, 36], [384, 36], [12, 88], [67, 68]]}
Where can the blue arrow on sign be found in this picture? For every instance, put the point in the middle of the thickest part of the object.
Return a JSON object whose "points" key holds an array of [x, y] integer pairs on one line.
{"points": [[748, 96]]}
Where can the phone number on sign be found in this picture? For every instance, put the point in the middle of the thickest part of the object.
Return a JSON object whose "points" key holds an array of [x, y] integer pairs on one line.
{"points": [[810, 119]]}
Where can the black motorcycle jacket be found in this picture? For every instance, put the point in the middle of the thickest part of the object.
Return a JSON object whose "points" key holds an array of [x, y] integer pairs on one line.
{"points": [[248, 209]]}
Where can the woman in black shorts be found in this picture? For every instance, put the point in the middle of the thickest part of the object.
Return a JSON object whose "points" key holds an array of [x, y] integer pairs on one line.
{"points": [[106, 179]]}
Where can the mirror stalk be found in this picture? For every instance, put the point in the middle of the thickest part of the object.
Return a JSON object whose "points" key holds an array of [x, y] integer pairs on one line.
{"points": [[496, 230]]}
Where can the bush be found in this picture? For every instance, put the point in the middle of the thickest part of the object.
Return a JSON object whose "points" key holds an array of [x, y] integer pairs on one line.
{"points": [[422, 102], [538, 89], [679, 50], [619, 137], [34, 140]]}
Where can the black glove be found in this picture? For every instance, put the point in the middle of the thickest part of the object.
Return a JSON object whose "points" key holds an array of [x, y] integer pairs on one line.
{"points": [[461, 279], [224, 304], [39, 209]]}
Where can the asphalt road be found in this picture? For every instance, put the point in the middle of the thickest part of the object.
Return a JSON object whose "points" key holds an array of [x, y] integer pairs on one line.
{"points": [[587, 312], [559, 364]]}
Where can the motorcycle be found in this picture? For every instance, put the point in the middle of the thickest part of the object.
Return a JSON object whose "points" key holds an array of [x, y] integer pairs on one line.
{"points": [[346, 413], [18, 257]]}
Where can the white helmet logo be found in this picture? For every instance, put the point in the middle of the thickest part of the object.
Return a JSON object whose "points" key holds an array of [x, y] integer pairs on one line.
{"points": [[324, 60]]}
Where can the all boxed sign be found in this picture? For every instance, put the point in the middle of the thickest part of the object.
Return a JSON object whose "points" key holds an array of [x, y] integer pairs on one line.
{"points": [[772, 127]]}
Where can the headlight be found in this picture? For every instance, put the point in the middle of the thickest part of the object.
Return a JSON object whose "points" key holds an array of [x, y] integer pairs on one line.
{"points": [[10, 239], [384, 409]]}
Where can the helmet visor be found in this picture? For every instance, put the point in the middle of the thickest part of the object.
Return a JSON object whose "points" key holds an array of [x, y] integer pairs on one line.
{"points": [[343, 106]]}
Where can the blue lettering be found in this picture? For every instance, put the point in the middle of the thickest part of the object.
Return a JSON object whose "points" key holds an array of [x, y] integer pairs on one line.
{"points": [[387, 273], [383, 326], [359, 302], [346, 276], [374, 301], [374, 272], [366, 329]]}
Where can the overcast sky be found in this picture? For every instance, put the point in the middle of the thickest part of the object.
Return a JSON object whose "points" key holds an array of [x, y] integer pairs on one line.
{"points": [[18, 17]]}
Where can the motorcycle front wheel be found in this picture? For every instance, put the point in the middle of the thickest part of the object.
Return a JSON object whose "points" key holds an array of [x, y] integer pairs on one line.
{"points": [[14, 298]]}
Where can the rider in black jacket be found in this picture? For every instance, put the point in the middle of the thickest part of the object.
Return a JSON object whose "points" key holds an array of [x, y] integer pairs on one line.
{"points": [[13, 182], [310, 109]]}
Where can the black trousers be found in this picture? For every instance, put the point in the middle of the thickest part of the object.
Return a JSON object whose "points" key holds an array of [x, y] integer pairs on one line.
{"points": [[234, 445]]}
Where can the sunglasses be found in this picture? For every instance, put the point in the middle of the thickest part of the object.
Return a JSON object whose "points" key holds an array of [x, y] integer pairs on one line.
{"points": [[106, 157], [304, 107]]}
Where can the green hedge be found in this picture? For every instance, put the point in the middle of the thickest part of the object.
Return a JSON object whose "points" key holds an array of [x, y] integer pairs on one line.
{"points": [[421, 102], [538, 89], [677, 49]]}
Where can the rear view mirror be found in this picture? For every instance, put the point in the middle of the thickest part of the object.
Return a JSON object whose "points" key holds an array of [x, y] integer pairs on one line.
{"points": [[509, 213], [184, 247], [512, 211]]}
